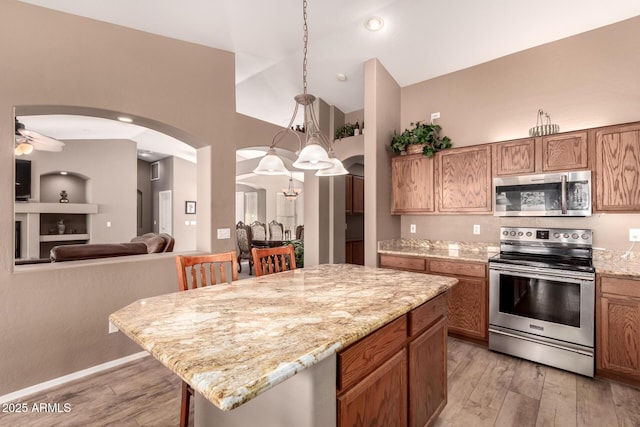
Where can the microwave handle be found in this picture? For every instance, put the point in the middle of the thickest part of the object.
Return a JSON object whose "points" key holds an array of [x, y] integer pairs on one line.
{"points": [[563, 196]]}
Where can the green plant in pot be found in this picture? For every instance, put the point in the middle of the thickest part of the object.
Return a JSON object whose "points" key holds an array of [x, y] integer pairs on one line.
{"points": [[345, 130], [423, 137]]}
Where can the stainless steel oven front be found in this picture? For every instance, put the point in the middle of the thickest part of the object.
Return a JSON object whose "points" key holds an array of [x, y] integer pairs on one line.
{"points": [[543, 314]]}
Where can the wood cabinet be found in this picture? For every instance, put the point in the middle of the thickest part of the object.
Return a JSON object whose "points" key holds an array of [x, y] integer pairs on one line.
{"points": [[564, 151], [464, 180], [354, 194], [618, 328], [412, 184], [514, 157], [396, 376], [468, 313], [618, 169], [354, 252]]}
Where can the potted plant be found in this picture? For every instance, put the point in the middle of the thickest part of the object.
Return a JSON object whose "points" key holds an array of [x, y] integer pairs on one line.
{"points": [[422, 137], [345, 130]]}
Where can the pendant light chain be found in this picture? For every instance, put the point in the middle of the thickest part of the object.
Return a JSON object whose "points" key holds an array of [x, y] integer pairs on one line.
{"points": [[305, 39]]}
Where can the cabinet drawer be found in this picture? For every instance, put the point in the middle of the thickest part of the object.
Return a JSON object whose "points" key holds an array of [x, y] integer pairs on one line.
{"points": [[458, 268], [356, 361], [403, 263], [620, 286], [427, 314]]}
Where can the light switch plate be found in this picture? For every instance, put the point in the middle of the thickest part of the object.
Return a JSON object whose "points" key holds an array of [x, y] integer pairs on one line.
{"points": [[412, 228], [634, 234]]}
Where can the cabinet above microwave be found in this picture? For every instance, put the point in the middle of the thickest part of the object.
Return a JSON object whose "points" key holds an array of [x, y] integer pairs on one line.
{"points": [[551, 194]]}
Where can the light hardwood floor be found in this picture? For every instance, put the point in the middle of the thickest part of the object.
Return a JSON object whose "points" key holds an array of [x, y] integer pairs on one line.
{"points": [[485, 389]]}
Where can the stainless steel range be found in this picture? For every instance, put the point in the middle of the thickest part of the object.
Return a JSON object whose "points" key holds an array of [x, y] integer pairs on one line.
{"points": [[542, 297]]}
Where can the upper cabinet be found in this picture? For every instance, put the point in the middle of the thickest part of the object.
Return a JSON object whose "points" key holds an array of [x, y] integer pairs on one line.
{"points": [[412, 184], [618, 168], [464, 180], [564, 151], [514, 157]]}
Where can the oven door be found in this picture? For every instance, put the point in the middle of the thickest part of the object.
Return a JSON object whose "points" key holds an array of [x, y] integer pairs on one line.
{"points": [[553, 304]]}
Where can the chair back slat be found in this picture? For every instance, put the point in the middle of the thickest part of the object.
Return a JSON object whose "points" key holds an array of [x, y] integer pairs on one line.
{"points": [[273, 260], [200, 270]]}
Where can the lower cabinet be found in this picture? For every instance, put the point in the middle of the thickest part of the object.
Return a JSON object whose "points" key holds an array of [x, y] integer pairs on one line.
{"points": [[618, 328], [354, 252], [396, 376], [468, 300]]}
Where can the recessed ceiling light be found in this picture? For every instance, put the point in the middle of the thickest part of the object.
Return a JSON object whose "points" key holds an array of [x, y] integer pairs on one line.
{"points": [[63, 173], [125, 119], [374, 23], [145, 154], [341, 77]]}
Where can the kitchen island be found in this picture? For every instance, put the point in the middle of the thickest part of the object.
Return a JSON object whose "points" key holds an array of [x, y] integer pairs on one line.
{"points": [[234, 342]]}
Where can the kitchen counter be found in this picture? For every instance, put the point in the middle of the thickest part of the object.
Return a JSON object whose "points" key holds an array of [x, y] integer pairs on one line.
{"points": [[463, 251], [234, 342], [604, 261]]}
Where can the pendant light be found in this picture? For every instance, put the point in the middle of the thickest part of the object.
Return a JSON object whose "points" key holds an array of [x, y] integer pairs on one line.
{"points": [[336, 169], [291, 193], [314, 155]]}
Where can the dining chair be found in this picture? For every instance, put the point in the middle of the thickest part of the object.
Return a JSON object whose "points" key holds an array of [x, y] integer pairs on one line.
{"points": [[258, 230], [276, 230], [300, 232], [198, 271], [273, 260], [244, 239]]}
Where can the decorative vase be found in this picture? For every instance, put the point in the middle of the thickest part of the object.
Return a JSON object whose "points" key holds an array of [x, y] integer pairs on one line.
{"points": [[61, 227]]}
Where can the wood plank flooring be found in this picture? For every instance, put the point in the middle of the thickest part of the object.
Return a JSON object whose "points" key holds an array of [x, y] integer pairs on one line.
{"points": [[485, 389]]}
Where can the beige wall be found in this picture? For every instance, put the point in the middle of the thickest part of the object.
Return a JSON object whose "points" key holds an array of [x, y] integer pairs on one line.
{"points": [[184, 188], [54, 318], [583, 81]]}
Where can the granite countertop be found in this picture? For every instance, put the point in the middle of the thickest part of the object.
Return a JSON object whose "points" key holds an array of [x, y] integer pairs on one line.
{"points": [[463, 251], [233, 342], [604, 261]]}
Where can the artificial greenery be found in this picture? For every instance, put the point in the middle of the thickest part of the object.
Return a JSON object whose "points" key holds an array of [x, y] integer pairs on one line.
{"points": [[298, 249], [345, 130], [421, 133]]}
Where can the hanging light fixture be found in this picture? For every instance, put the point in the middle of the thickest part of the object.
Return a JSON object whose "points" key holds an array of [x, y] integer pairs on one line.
{"points": [[336, 169], [313, 156], [291, 193]]}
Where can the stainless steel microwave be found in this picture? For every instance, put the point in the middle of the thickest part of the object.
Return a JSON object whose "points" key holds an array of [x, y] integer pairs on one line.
{"points": [[550, 194]]}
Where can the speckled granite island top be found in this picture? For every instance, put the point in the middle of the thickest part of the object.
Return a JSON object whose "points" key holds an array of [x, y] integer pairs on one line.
{"points": [[233, 342]]}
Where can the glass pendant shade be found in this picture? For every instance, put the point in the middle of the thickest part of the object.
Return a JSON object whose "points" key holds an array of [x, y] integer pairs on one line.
{"points": [[335, 170], [313, 157], [23, 148], [271, 164]]}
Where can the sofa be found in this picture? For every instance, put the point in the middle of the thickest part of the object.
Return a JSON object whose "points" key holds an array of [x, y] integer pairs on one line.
{"points": [[149, 243]]}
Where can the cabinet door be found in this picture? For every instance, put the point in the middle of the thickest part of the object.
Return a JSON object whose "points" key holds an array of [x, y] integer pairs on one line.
{"points": [[348, 194], [358, 194], [412, 184], [358, 252], [618, 169], [428, 375], [348, 253], [514, 157], [468, 308], [464, 179], [620, 335], [564, 151], [380, 399]]}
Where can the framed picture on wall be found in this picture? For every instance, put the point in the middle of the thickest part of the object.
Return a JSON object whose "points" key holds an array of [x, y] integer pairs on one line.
{"points": [[189, 207]]}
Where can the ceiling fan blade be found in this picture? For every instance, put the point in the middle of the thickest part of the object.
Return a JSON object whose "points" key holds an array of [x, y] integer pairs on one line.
{"points": [[41, 145], [42, 140]]}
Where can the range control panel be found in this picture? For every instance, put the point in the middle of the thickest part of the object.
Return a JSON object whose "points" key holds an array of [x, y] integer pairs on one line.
{"points": [[552, 235]]}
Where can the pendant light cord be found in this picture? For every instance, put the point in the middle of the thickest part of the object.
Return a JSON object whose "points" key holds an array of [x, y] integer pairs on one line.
{"points": [[304, 50]]}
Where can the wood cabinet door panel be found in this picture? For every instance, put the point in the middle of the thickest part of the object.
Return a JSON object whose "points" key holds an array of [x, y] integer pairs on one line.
{"points": [[465, 180], [358, 194], [620, 336], [515, 157], [428, 375], [380, 399], [348, 194], [618, 169], [468, 308], [362, 357], [458, 268], [564, 151], [412, 184], [427, 314], [403, 263]]}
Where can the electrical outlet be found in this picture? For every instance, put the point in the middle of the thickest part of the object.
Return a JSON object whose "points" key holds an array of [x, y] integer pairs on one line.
{"points": [[476, 229], [412, 228], [634, 234], [435, 116]]}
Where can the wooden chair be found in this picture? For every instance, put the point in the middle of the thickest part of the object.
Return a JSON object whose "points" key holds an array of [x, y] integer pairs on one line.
{"points": [[258, 230], [244, 238], [199, 271], [300, 232], [276, 230], [273, 260]]}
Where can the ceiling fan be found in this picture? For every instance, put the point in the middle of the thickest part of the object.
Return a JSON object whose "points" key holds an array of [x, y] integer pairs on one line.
{"points": [[27, 140]]}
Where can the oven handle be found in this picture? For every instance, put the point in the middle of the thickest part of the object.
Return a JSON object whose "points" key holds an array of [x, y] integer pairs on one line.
{"points": [[566, 276], [498, 332]]}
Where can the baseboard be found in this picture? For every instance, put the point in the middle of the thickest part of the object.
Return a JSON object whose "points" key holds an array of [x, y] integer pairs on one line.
{"points": [[70, 377]]}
